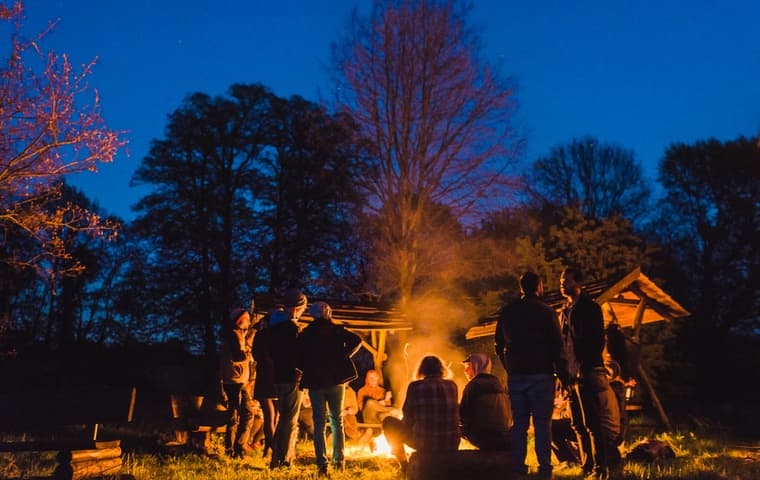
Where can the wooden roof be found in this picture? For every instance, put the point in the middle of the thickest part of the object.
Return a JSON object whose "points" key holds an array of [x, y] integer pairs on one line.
{"points": [[359, 316], [619, 300]]}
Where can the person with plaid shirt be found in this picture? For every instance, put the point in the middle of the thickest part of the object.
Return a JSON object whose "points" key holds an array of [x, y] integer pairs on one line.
{"points": [[431, 414]]}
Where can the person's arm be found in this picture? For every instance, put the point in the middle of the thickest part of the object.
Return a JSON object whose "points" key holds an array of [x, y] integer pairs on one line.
{"points": [[500, 340], [352, 342]]}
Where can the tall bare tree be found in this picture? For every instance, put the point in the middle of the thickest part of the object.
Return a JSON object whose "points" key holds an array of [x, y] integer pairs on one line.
{"points": [[436, 117]]}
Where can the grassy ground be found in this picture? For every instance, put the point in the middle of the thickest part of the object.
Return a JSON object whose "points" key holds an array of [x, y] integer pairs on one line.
{"points": [[698, 457]]}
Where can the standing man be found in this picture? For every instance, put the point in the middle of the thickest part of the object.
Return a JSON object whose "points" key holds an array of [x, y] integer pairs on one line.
{"points": [[582, 327], [529, 344], [325, 351], [283, 331]]}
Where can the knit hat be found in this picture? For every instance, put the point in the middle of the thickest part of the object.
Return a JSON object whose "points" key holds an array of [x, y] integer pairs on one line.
{"points": [[479, 362], [294, 298], [320, 310]]}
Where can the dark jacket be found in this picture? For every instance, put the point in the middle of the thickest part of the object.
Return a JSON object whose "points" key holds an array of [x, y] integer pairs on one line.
{"points": [[264, 386], [284, 352], [585, 331], [528, 339], [325, 351], [485, 410]]}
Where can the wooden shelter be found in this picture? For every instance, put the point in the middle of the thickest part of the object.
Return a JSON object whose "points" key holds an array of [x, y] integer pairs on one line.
{"points": [[630, 301], [372, 321]]}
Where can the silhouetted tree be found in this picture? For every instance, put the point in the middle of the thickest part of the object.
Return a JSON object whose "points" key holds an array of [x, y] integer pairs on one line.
{"points": [[252, 193], [310, 202], [436, 118], [710, 221], [600, 180], [710, 226], [200, 218]]}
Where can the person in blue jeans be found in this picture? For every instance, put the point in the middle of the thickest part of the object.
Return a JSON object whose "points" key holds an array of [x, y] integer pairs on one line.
{"points": [[325, 350], [283, 353], [529, 344]]}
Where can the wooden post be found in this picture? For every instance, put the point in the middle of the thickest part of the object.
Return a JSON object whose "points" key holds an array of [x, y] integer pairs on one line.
{"points": [[638, 318], [380, 355], [654, 397]]}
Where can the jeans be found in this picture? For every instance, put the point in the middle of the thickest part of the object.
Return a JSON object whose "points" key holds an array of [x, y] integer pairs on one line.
{"points": [[241, 418], [532, 395], [322, 400], [286, 434], [589, 403]]}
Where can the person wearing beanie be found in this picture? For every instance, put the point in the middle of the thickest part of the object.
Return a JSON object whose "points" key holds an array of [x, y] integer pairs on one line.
{"points": [[283, 338], [235, 371], [484, 411], [324, 355]]}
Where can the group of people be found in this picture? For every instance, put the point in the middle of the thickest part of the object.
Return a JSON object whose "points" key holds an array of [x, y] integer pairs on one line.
{"points": [[545, 358], [288, 362], [536, 349], [543, 355]]}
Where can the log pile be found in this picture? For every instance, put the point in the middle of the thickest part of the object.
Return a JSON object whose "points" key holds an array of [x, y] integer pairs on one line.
{"points": [[79, 464]]}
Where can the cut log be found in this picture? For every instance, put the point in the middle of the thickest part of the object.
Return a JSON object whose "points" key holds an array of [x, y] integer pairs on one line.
{"points": [[88, 455], [86, 469], [460, 464]]}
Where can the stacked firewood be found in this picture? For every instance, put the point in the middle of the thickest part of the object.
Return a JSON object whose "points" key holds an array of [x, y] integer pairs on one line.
{"points": [[76, 464]]}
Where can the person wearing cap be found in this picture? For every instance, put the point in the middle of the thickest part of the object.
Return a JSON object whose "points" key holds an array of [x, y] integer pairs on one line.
{"points": [[484, 411], [235, 371], [283, 338], [431, 414], [324, 355], [529, 344]]}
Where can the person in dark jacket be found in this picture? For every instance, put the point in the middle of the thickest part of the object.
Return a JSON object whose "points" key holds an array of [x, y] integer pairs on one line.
{"points": [[325, 350], [287, 376], [263, 389], [485, 410], [582, 325], [235, 365], [529, 344]]}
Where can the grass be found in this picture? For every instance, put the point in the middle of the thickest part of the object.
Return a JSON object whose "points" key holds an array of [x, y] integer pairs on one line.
{"points": [[698, 457]]}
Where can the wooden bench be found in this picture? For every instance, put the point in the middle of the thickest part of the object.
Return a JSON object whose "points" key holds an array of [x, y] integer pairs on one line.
{"points": [[195, 419], [460, 464], [67, 421]]}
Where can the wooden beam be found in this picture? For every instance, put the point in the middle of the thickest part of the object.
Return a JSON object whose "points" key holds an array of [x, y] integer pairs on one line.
{"points": [[638, 317], [380, 356], [655, 399]]}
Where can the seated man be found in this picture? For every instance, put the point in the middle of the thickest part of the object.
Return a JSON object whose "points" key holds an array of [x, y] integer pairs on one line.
{"points": [[485, 410], [431, 414]]}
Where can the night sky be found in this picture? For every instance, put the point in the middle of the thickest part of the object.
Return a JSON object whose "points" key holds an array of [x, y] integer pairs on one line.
{"points": [[638, 73]]}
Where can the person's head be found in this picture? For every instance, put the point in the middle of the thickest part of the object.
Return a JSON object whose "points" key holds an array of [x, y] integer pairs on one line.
{"points": [[372, 378], [475, 364], [530, 284], [320, 310], [570, 282], [240, 319], [431, 366], [295, 302]]}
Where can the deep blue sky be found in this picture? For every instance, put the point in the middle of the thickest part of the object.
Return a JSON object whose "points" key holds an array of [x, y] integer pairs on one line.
{"points": [[638, 73]]}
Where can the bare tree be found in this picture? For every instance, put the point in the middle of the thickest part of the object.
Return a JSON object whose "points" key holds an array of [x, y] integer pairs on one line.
{"points": [[48, 128], [435, 116], [601, 180]]}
